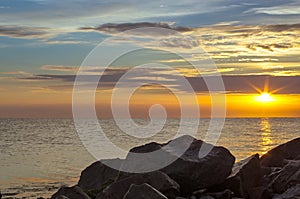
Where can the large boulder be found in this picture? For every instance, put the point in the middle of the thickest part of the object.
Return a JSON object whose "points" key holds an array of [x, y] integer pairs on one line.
{"points": [[98, 175], [244, 180], [191, 170], [250, 177], [157, 180], [74, 192], [288, 176], [143, 191], [276, 156]]}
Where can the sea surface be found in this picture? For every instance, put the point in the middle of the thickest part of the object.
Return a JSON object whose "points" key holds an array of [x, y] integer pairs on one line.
{"points": [[37, 156]]}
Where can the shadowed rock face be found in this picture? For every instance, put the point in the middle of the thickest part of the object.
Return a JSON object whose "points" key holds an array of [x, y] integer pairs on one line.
{"points": [[96, 175], [191, 170], [144, 191], [291, 193], [276, 157], [70, 192], [250, 176], [157, 180], [288, 176], [212, 174], [245, 180]]}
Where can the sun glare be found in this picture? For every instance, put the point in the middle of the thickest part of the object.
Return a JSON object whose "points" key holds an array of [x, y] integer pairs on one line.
{"points": [[265, 97]]}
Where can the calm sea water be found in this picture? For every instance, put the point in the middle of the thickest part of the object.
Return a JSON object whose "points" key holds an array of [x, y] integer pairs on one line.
{"points": [[38, 156]]}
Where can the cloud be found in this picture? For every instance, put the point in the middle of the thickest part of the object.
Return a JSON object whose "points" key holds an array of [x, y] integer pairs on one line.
{"points": [[25, 32], [270, 47], [284, 85], [286, 9], [179, 42], [60, 68], [41, 34], [249, 43], [15, 73], [70, 12], [287, 84], [282, 27], [112, 28]]}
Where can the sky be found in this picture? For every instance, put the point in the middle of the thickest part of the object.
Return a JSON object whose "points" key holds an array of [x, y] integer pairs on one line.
{"points": [[254, 46]]}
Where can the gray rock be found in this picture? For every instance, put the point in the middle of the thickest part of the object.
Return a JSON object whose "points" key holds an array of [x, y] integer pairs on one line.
{"points": [[157, 180], [190, 171], [276, 156], [74, 192], [143, 191], [288, 176], [291, 193]]}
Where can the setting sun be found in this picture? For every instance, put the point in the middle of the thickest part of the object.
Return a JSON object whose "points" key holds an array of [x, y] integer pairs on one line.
{"points": [[264, 97]]}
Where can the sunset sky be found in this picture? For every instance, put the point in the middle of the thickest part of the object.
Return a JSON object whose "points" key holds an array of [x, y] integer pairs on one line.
{"points": [[254, 44]]}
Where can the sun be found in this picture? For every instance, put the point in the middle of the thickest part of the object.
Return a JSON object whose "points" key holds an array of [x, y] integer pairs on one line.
{"points": [[265, 97]]}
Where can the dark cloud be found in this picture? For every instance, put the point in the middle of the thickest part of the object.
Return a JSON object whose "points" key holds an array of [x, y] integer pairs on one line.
{"points": [[112, 28], [242, 83], [59, 68], [248, 30], [24, 32], [282, 27], [233, 83], [271, 47]]}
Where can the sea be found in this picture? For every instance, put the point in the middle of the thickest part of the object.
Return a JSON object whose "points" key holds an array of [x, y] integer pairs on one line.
{"points": [[37, 156]]}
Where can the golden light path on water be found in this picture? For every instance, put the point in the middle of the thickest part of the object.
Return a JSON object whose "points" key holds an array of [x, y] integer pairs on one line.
{"points": [[265, 129]]}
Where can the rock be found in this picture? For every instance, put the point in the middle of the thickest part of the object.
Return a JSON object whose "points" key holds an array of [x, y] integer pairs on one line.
{"points": [[245, 176], [62, 197], [291, 193], [269, 173], [143, 191], [250, 177], [98, 176], [157, 180], [226, 194], [206, 197], [261, 192], [0, 195], [74, 192], [190, 171], [276, 156], [287, 177], [232, 183]]}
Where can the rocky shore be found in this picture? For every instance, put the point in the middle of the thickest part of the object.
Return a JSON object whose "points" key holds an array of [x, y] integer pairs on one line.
{"points": [[275, 175]]}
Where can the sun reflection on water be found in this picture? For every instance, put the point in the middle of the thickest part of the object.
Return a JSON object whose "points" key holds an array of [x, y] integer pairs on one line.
{"points": [[265, 129]]}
